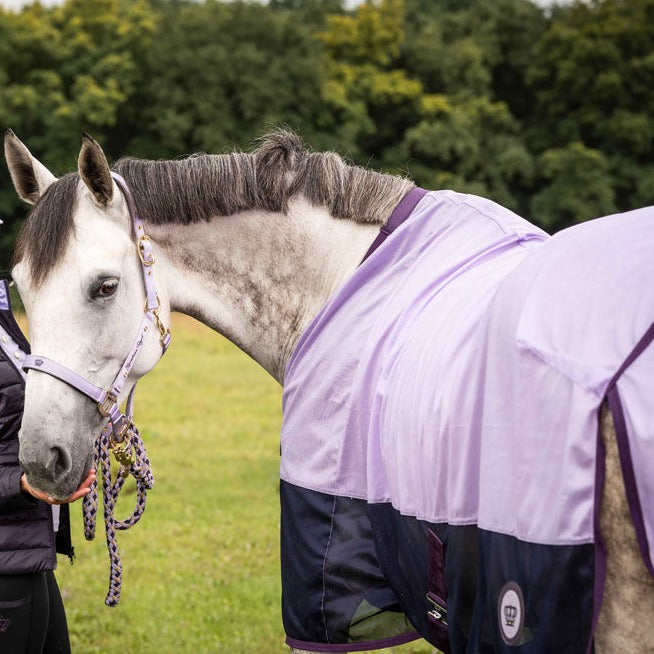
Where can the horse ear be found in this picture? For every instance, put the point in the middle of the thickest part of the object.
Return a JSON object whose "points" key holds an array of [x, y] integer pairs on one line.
{"points": [[94, 170], [30, 177]]}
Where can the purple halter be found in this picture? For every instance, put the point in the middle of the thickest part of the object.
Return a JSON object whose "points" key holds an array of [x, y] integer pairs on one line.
{"points": [[107, 399], [120, 434]]}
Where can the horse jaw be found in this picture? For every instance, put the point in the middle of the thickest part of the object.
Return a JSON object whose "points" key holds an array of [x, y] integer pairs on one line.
{"points": [[88, 336]]}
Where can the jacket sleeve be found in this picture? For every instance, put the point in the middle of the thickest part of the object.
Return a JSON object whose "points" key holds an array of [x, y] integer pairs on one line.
{"points": [[10, 493]]}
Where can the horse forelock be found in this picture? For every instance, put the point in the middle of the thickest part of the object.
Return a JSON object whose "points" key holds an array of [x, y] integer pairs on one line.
{"points": [[45, 233]]}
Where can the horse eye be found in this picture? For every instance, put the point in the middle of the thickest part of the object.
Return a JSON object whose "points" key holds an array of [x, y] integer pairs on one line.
{"points": [[106, 288]]}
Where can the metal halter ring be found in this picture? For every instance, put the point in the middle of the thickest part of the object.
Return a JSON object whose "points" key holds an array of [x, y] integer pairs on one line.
{"points": [[164, 332], [145, 250]]}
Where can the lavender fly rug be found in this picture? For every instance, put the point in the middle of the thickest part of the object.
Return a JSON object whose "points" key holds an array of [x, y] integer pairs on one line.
{"points": [[440, 430]]}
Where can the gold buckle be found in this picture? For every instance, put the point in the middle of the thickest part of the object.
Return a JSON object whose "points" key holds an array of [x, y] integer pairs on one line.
{"points": [[163, 330], [141, 250], [105, 406]]}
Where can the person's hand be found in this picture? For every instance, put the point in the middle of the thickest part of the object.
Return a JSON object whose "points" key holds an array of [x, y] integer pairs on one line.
{"points": [[83, 489]]}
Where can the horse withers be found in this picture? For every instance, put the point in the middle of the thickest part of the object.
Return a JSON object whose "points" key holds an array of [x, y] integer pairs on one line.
{"points": [[449, 464]]}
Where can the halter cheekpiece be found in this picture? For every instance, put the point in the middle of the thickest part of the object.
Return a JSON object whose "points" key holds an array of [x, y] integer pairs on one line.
{"points": [[120, 434]]}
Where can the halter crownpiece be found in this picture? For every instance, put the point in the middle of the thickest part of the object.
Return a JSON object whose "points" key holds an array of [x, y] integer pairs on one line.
{"points": [[120, 434]]}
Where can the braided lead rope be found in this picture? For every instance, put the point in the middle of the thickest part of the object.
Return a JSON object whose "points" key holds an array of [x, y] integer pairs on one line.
{"points": [[135, 462]]}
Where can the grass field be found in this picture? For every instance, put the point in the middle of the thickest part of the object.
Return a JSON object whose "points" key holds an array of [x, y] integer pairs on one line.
{"points": [[201, 570]]}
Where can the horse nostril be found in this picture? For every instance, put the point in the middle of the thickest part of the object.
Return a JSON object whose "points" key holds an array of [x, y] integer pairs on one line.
{"points": [[59, 464]]}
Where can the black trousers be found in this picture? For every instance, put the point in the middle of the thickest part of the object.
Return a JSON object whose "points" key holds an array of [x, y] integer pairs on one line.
{"points": [[32, 616]]}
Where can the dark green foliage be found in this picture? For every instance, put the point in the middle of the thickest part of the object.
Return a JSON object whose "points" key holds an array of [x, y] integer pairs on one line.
{"points": [[547, 113], [593, 82], [64, 71], [221, 76], [576, 186]]}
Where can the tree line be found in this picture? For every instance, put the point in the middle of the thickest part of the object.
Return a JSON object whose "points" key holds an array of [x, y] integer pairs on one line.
{"points": [[548, 112]]}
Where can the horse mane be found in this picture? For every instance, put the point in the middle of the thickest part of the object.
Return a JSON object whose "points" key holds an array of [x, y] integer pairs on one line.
{"points": [[202, 186]]}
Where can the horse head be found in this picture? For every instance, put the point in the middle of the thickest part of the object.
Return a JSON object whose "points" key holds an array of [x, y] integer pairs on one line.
{"points": [[79, 274]]}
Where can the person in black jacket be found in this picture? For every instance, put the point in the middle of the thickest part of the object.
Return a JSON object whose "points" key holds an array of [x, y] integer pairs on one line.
{"points": [[33, 526]]}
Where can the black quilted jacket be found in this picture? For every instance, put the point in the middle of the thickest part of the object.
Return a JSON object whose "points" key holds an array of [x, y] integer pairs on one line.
{"points": [[27, 538]]}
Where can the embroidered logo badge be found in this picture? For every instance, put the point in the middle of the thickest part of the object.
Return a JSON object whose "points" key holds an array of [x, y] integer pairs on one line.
{"points": [[511, 613], [4, 624]]}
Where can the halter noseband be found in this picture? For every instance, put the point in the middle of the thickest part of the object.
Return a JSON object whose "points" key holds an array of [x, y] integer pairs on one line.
{"points": [[107, 399]]}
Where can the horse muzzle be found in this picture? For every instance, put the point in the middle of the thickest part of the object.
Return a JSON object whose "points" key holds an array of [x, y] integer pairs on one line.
{"points": [[54, 461]]}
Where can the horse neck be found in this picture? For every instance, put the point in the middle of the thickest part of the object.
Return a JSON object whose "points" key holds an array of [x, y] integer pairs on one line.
{"points": [[259, 278]]}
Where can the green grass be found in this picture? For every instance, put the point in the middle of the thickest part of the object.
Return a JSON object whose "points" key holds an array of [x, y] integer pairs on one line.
{"points": [[201, 569]]}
